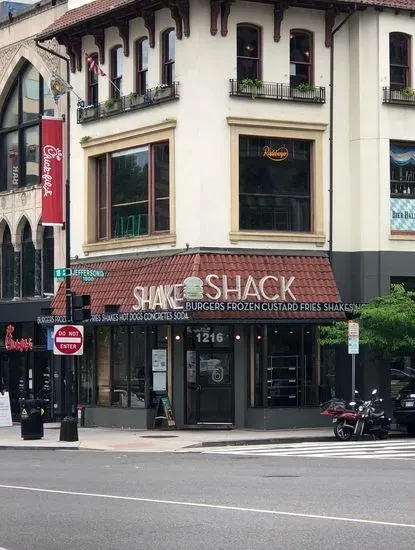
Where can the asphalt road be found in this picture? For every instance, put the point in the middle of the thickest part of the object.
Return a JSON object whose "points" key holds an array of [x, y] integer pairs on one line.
{"points": [[55, 500]]}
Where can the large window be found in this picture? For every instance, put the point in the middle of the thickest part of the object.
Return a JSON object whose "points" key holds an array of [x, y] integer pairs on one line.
{"points": [[7, 265], [141, 65], [117, 61], [248, 52], [274, 184], [29, 98], [399, 60], [28, 262], [92, 83], [168, 40], [301, 57], [402, 187], [133, 192], [48, 260]]}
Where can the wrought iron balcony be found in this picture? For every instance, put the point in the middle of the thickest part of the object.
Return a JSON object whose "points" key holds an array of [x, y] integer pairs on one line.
{"points": [[282, 92], [406, 96], [131, 102]]}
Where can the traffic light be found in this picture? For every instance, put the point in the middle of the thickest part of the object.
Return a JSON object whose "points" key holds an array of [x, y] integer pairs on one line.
{"points": [[81, 307]]}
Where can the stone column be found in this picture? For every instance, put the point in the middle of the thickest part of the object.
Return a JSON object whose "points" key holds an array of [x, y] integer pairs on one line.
{"points": [[38, 272], [17, 275]]}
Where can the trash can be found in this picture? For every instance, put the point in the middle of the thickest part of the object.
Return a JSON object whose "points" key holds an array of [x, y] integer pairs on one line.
{"points": [[69, 429], [31, 422]]}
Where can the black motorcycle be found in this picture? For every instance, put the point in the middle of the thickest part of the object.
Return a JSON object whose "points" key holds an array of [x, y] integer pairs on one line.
{"points": [[371, 423]]}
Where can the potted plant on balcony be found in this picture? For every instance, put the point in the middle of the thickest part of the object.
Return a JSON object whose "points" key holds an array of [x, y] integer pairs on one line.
{"points": [[304, 91], [87, 113], [162, 91], [406, 94], [250, 86], [134, 98], [112, 104]]}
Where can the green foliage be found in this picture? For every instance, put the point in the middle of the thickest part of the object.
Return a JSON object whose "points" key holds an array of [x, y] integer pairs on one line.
{"points": [[305, 87], [387, 324]]}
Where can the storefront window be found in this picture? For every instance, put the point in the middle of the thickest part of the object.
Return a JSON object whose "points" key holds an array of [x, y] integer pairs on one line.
{"points": [[274, 184], [138, 364], [120, 366], [402, 186], [292, 366], [85, 368], [103, 365]]}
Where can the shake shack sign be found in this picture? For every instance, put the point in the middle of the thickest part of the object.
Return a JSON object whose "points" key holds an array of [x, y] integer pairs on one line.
{"points": [[214, 288]]}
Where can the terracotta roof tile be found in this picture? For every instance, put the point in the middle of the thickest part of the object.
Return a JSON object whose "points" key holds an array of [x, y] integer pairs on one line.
{"points": [[100, 7], [314, 280]]}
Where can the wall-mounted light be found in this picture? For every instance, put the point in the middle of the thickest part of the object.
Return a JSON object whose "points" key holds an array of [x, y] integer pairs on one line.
{"points": [[238, 337], [177, 336], [259, 337]]}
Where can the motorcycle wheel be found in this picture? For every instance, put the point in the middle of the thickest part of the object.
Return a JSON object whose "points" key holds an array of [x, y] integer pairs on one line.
{"points": [[383, 435], [359, 429], [341, 432]]}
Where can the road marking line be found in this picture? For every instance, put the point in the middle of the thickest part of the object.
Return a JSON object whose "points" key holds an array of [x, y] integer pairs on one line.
{"points": [[212, 506]]}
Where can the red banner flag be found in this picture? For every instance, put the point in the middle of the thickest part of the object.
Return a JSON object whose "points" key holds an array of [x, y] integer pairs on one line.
{"points": [[52, 171]]}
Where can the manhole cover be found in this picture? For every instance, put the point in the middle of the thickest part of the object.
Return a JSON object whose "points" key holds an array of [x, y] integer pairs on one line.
{"points": [[159, 436]]}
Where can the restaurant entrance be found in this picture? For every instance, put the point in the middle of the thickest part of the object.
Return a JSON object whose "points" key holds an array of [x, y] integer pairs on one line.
{"points": [[209, 375]]}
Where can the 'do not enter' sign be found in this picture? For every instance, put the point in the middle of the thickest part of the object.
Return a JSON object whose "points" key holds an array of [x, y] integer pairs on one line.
{"points": [[68, 340]]}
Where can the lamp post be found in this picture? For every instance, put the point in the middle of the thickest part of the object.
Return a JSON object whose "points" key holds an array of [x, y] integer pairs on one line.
{"points": [[67, 360]]}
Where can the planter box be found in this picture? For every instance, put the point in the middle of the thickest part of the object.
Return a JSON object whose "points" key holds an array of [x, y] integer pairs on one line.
{"points": [[89, 113], [114, 108], [249, 90], [135, 101], [398, 95]]}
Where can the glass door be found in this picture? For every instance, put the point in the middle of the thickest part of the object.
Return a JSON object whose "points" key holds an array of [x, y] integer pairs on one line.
{"points": [[209, 375], [214, 387]]}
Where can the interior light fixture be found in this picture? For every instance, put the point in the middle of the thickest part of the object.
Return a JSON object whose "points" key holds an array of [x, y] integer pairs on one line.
{"points": [[249, 48], [238, 337], [177, 336], [259, 337]]}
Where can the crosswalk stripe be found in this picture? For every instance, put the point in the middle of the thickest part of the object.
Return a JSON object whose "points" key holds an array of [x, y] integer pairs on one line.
{"points": [[388, 450]]}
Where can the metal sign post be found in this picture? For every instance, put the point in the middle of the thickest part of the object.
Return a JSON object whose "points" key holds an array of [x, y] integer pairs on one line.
{"points": [[353, 348]]}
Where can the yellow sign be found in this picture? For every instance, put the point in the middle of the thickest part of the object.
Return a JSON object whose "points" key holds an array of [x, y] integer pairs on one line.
{"points": [[42, 412], [276, 155]]}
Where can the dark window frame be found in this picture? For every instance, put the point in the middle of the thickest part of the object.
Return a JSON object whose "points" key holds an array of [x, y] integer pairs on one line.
{"points": [[310, 64], [258, 59], [7, 265], [141, 72], [116, 75], [92, 84], [20, 127], [406, 64], [48, 263], [27, 262], [152, 199], [292, 196], [167, 64]]}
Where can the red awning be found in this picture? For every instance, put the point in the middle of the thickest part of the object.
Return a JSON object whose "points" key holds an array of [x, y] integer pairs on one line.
{"points": [[295, 279]]}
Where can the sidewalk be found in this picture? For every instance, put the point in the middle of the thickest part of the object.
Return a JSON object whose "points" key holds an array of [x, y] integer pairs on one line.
{"points": [[113, 439]]}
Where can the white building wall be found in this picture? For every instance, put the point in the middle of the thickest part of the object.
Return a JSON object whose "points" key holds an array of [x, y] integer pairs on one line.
{"points": [[204, 65]]}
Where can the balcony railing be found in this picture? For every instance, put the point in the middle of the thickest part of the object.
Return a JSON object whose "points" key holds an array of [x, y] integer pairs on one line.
{"points": [[406, 96], [281, 92], [128, 103]]}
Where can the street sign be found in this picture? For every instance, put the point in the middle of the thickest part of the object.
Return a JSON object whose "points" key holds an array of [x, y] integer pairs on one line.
{"points": [[353, 329], [87, 275], [68, 340], [353, 345]]}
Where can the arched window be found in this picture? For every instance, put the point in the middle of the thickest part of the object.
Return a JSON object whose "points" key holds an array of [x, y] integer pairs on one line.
{"points": [[248, 50], [301, 57], [29, 98], [117, 62], [48, 259], [399, 60], [168, 48], [92, 83], [141, 59], [7, 265], [28, 262]]}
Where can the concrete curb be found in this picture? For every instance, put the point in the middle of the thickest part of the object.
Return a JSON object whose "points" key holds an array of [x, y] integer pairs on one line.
{"points": [[277, 440], [37, 448]]}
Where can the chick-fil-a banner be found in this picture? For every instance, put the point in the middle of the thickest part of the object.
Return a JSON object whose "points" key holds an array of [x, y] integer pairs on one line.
{"points": [[52, 171]]}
